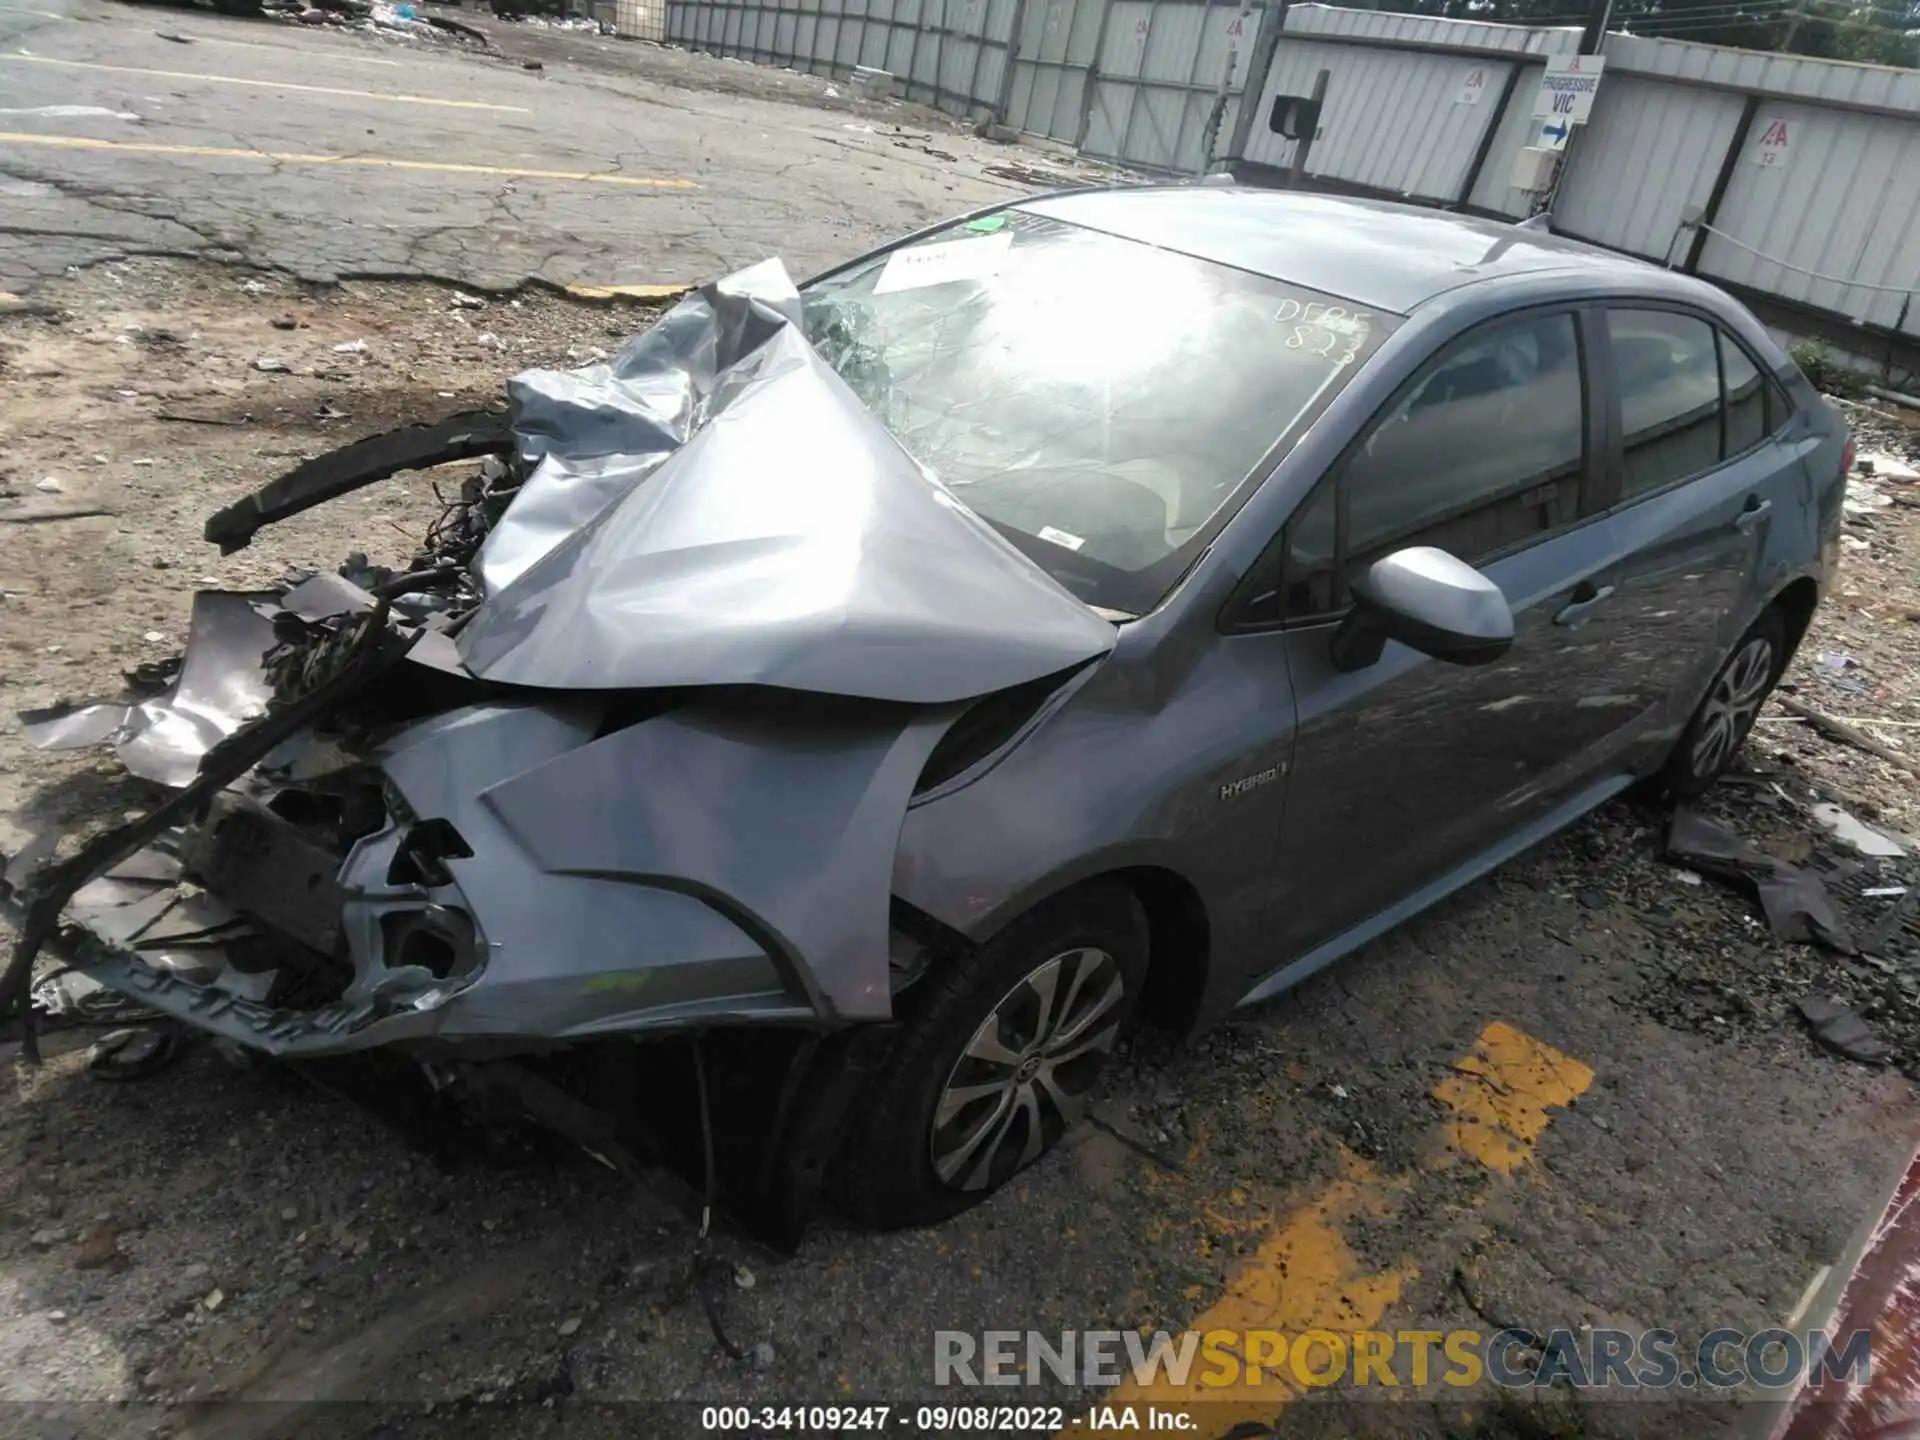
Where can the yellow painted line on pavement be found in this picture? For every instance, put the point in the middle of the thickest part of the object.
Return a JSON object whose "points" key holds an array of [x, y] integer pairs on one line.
{"points": [[1305, 1275], [20, 59], [216, 152], [305, 56], [1502, 1094]]}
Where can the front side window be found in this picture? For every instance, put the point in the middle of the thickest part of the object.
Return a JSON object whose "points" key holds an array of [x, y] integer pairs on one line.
{"points": [[1667, 368], [1482, 453], [1103, 403]]}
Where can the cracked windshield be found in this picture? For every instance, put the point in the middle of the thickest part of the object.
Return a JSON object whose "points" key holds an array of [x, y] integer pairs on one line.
{"points": [[1100, 401]]}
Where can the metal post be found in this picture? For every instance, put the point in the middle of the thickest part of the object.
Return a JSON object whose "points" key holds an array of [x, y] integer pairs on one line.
{"points": [[1005, 101], [1090, 86], [1488, 136], [1273, 20], [979, 47], [1595, 33], [1591, 40], [1799, 13], [1218, 110], [1297, 171], [1720, 183]]}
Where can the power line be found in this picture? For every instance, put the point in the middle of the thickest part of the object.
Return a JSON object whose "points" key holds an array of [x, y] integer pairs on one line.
{"points": [[1721, 7], [1672, 31], [1732, 15], [1760, 8], [1729, 16]]}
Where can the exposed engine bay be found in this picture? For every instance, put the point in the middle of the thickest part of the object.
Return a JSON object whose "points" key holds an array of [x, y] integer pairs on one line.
{"points": [[624, 749]]}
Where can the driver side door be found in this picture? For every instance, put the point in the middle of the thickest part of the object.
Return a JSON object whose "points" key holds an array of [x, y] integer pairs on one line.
{"points": [[1407, 768]]}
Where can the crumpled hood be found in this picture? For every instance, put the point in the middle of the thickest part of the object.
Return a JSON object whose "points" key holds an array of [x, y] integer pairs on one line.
{"points": [[717, 507]]}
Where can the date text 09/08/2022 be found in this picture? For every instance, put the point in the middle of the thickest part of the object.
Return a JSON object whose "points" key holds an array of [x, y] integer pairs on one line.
{"points": [[940, 1419]]}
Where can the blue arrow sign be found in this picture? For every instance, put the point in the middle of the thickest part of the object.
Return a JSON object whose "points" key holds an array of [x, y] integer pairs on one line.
{"points": [[1557, 132]]}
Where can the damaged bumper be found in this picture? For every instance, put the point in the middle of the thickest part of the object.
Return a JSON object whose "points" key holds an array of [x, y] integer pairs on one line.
{"points": [[626, 748]]}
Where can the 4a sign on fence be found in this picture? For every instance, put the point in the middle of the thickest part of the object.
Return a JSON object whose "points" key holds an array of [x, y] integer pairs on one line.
{"points": [[1770, 150]]}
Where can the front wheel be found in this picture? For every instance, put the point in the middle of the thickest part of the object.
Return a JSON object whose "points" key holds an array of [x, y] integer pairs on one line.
{"points": [[1725, 717], [997, 1059]]}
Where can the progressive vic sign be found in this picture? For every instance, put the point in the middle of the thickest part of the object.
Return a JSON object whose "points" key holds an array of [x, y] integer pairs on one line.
{"points": [[1568, 87]]}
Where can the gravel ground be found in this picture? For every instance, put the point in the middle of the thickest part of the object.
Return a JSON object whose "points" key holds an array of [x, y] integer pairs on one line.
{"points": [[209, 1233]]}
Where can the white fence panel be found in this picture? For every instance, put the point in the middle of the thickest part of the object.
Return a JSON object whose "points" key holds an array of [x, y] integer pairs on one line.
{"points": [[1394, 120], [1650, 150], [1058, 42], [1158, 80], [1833, 194]]}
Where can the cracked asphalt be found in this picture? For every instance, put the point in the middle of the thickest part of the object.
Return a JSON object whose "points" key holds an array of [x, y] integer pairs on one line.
{"points": [[332, 155], [1540, 1104]]}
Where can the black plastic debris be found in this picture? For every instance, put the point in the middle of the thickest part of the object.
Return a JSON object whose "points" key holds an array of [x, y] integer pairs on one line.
{"points": [[1840, 1030], [1794, 900]]}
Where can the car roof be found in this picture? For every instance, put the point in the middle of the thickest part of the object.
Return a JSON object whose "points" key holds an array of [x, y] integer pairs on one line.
{"points": [[1375, 253]]}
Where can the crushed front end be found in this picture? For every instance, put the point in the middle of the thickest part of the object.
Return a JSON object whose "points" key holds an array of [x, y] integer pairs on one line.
{"points": [[625, 749]]}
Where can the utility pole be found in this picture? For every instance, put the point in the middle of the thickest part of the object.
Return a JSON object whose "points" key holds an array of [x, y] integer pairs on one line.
{"points": [[1249, 95], [1592, 38], [1599, 12], [1794, 17]]}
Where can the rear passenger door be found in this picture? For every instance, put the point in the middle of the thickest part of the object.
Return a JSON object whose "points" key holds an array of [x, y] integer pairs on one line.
{"points": [[1699, 483]]}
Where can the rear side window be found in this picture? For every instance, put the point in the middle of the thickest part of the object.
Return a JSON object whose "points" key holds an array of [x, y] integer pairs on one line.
{"points": [[1667, 368], [1746, 390], [1484, 452]]}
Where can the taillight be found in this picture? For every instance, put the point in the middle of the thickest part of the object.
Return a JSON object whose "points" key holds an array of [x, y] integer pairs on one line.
{"points": [[1846, 457]]}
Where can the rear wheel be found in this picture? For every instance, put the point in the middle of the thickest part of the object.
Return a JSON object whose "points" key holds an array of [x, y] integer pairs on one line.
{"points": [[997, 1059], [1725, 717]]}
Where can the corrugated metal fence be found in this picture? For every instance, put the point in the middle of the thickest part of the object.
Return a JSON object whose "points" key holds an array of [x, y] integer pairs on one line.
{"points": [[949, 53], [1806, 173], [1148, 83]]}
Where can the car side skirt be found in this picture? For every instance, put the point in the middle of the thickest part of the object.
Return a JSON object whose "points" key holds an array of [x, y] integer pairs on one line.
{"points": [[1525, 838]]}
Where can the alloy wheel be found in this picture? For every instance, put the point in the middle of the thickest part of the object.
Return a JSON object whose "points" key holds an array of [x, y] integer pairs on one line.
{"points": [[1025, 1076], [1731, 705]]}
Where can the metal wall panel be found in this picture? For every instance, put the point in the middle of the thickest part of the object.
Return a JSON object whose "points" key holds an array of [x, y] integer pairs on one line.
{"points": [[1649, 151], [949, 53], [1333, 22], [1157, 82], [1493, 190], [1842, 200], [1395, 120], [1058, 40], [1801, 77]]}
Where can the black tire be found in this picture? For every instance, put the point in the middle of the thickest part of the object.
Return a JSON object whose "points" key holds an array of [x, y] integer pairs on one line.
{"points": [[888, 1177], [1723, 721]]}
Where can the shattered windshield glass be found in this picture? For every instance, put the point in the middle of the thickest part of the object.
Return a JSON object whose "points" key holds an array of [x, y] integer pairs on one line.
{"points": [[1100, 401]]}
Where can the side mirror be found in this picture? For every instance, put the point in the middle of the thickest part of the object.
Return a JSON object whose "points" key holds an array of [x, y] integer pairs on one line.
{"points": [[1426, 599]]}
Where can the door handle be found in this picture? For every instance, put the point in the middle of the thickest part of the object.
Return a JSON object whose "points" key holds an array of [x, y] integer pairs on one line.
{"points": [[1586, 599], [1756, 510]]}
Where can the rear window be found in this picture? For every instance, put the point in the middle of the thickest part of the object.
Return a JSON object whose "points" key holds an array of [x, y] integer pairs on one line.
{"points": [[1103, 403], [1667, 366]]}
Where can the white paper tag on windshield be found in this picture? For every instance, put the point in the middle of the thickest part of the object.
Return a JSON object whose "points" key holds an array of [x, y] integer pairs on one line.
{"points": [[1062, 537], [976, 258]]}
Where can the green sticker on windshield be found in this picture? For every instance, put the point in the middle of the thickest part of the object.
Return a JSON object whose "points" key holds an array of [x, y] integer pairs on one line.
{"points": [[988, 222]]}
